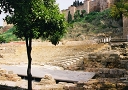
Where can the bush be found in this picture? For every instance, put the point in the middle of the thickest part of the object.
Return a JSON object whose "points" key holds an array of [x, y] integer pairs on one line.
{"points": [[9, 36], [2, 39]]}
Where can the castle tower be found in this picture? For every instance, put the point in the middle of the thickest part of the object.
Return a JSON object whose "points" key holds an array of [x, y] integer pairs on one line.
{"points": [[86, 5]]}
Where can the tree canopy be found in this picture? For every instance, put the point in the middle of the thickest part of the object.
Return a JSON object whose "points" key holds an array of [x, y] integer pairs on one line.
{"points": [[69, 17], [35, 18], [119, 8]]}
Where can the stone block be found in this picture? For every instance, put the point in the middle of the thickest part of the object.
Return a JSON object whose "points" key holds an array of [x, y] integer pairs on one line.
{"points": [[72, 87], [48, 79], [92, 81], [112, 71], [100, 70], [3, 78], [106, 70], [3, 71], [120, 72], [10, 72], [9, 75], [121, 86], [51, 87], [81, 57]]}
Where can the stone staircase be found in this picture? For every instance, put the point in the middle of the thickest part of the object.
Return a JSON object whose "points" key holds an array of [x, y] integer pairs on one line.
{"points": [[75, 62], [69, 63]]}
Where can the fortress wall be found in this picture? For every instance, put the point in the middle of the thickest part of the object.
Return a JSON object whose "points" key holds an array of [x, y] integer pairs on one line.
{"points": [[86, 6], [112, 2], [80, 8], [72, 10], [89, 6], [65, 12], [94, 5], [104, 4], [125, 27]]}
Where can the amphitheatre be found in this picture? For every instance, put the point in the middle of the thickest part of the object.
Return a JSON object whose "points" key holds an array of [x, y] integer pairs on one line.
{"points": [[103, 61], [108, 62]]}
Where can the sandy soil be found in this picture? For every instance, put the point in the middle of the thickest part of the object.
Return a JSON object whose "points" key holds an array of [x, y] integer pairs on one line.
{"points": [[15, 52]]}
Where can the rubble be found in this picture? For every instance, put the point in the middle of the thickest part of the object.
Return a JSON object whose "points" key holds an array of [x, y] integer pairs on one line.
{"points": [[9, 75]]}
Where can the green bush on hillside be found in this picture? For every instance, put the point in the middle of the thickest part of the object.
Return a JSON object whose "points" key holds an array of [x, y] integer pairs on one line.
{"points": [[8, 36], [2, 39]]}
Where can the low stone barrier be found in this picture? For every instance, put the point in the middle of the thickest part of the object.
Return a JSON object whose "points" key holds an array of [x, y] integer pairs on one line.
{"points": [[107, 72], [8, 75], [47, 80]]}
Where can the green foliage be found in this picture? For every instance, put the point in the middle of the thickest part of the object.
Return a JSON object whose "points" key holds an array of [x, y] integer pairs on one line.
{"points": [[119, 8], [83, 12], [1, 27], [77, 3], [93, 23], [69, 17], [91, 16], [2, 39], [77, 15], [97, 16], [37, 18], [9, 36]]}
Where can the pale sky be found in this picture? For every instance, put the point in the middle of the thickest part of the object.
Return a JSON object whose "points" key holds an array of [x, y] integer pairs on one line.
{"points": [[63, 4]]}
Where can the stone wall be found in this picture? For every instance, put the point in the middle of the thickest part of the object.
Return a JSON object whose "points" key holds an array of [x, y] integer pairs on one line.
{"points": [[125, 27]]}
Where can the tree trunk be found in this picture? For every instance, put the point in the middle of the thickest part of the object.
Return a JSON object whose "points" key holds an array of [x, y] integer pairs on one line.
{"points": [[29, 75]]}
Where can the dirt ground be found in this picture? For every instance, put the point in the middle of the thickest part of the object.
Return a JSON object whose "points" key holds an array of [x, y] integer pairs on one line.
{"points": [[15, 52]]}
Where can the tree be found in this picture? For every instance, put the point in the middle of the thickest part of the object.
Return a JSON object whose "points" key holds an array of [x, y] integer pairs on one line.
{"points": [[81, 3], [83, 12], [77, 15], [69, 17], [34, 19], [76, 3], [119, 9]]}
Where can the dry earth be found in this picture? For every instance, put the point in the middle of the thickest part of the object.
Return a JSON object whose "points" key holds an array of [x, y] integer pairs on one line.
{"points": [[15, 52]]}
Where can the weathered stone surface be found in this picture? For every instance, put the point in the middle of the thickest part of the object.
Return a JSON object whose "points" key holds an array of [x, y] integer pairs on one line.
{"points": [[101, 59], [48, 79], [9, 75]]}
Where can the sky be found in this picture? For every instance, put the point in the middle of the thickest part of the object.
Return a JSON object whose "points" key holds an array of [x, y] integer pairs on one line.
{"points": [[63, 4]]}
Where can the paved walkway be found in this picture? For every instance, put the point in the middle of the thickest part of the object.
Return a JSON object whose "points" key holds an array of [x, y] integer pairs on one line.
{"points": [[62, 75]]}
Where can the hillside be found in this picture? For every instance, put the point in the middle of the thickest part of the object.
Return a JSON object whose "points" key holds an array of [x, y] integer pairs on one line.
{"points": [[94, 24], [90, 26]]}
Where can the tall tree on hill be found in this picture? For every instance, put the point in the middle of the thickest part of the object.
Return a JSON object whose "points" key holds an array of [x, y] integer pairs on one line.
{"points": [[69, 17], [77, 15], [76, 3], [81, 3], [83, 12], [34, 19]]}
